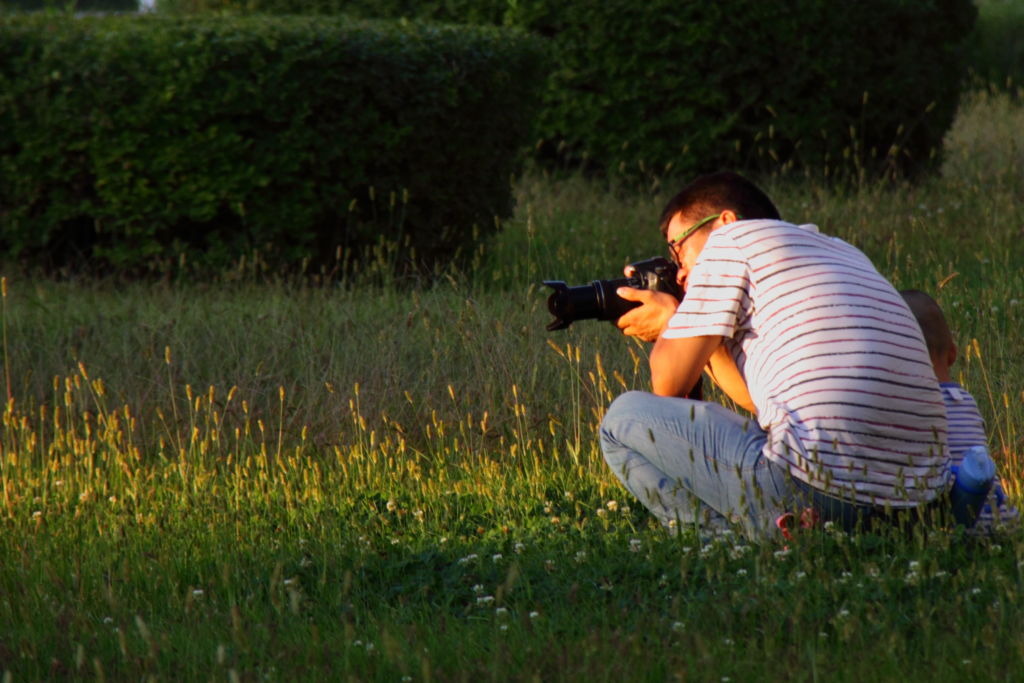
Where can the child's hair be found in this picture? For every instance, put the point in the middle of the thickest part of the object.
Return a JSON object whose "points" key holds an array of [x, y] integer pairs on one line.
{"points": [[931, 320]]}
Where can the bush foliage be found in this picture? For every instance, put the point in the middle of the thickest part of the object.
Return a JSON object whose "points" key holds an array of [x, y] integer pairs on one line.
{"points": [[135, 140], [695, 86]]}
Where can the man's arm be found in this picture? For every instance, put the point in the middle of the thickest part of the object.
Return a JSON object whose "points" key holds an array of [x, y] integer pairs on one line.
{"points": [[676, 364], [722, 369]]}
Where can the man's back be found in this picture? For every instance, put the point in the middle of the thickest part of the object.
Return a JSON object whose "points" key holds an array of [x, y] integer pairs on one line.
{"points": [[833, 359]]}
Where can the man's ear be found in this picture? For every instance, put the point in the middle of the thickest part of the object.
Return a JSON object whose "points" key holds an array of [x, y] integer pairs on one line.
{"points": [[951, 354], [728, 216]]}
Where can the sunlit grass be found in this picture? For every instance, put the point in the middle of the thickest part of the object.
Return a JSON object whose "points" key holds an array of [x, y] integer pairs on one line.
{"points": [[279, 481]]}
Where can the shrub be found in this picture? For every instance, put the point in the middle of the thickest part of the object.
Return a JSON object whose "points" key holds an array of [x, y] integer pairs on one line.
{"points": [[135, 140], [663, 84]]}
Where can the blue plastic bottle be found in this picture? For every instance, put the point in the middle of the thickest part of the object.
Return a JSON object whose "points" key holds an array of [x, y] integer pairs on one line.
{"points": [[972, 481]]}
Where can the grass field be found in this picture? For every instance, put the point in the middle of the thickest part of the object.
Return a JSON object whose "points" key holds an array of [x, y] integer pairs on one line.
{"points": [[263, 480]]}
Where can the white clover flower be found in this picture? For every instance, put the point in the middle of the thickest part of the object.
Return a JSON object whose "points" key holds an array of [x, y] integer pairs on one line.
{"points": [[485, 600], [581, 555], [975, 591], [291, 581], [504, 627], [829, 525], [394, 541], [728, 642], [496, 557], [478, 588], [739, 551], [612, 505], [941, 574], [534, 615], [501, 612], [519, 547], [357, 643], [995, 548], [108, 620], [678, 626], [843, 614], [197, 593], [801, 575], [741, 572], [443, 540], [911, 578], [782, 554]]}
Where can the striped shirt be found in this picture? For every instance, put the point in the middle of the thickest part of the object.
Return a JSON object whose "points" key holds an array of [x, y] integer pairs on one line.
{"points": [[967, 428], [834, 360]]}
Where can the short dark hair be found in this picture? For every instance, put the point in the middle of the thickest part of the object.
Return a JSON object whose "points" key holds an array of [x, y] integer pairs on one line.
{"points": [[716, 192], [931, 321]]}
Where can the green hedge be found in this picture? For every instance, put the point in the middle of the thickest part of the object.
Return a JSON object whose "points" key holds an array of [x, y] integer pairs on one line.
{"points": [[697, 85], [130, 141]]}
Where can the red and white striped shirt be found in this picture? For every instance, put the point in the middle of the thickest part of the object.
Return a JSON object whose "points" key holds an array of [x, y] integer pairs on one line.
{"points": [[834, 360]]}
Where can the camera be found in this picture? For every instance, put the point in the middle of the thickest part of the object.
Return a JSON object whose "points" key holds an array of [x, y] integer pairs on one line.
{"points": [[598, 300]]}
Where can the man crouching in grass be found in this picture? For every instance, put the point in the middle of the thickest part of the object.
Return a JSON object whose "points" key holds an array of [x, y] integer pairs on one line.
{"points": [[799, 329]]}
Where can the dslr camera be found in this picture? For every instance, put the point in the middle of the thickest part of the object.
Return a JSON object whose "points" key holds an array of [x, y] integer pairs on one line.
{"points": [[598, 300]]}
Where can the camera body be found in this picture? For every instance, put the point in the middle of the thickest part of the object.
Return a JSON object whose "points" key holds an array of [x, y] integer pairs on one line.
{"points": [[598, 300]]}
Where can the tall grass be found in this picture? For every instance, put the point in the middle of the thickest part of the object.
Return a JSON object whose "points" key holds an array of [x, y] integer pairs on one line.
{"points": [[278, 481]]}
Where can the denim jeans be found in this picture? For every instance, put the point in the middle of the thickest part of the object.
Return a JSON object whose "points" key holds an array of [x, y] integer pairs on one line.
{"points": [[691, 462]]}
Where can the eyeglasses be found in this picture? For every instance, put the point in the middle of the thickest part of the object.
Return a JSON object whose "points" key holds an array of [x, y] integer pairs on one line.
{"points": [[672, 244]]}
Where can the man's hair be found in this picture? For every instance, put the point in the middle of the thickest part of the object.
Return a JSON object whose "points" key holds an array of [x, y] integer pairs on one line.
{"points": [[710, 194], [930, 319]]}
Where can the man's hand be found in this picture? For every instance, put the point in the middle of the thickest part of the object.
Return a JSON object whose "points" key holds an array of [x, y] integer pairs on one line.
{"points": [[648, 320]]}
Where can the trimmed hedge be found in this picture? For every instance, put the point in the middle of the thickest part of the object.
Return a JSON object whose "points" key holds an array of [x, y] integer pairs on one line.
{"points": [[130, 141], [694, 86]]}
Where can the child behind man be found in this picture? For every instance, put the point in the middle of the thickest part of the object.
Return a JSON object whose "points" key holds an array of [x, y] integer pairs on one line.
{"points": [[966, 427]]}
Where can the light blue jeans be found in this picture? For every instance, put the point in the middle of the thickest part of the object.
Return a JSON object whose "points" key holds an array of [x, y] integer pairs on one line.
{"points": [[691, 462]]}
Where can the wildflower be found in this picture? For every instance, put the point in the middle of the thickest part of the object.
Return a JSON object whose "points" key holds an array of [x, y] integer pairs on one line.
{"points": [[741, 572], [822, 634], [782, 554], [495, 557], [549, 565], [418, 514], [468, 558], [534, 615], [501, 612], [519, 547], [478, 588], [504, 627], [975, 591], [612, 505], [394, 541], [941, 574], [728, 642], [634, 545], [357, 643], [392, 505], [914, 565], [739, 551], [602, 513], [801, 575], [197, 593], [625, 509], [108, 620], [369, 647], [581, 555], [37, 514], [556, 520], [678, 626], [444, 539], [911, 578], [485, 600], [290, 581], [843, 614]]}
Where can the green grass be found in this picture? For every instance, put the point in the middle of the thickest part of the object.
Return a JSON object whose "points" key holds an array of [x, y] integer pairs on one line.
{"points": [[266, 480]]}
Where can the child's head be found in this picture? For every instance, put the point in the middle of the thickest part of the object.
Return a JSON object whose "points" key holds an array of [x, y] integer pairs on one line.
{"points": [[936, 332]]}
